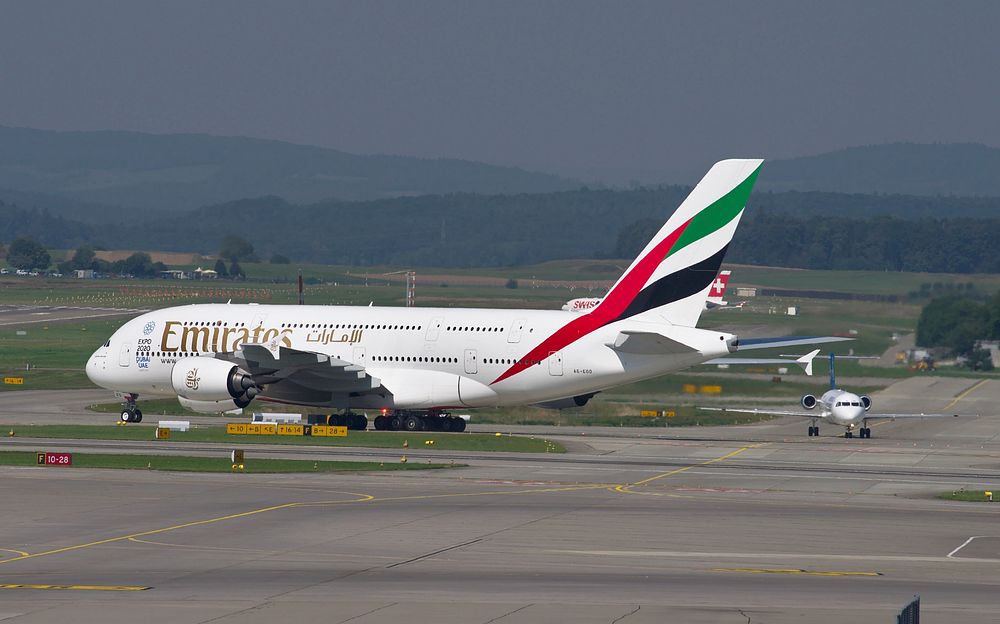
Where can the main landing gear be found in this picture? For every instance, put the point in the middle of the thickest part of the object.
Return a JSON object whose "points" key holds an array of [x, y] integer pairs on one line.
{"points": [[403, 420], [131, 413], [813, 430], [354, 422], [863, 432]]}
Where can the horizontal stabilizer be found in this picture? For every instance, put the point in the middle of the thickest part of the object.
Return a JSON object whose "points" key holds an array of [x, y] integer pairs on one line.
{"points": [[805, 361], [648, 343], [748, 344]]}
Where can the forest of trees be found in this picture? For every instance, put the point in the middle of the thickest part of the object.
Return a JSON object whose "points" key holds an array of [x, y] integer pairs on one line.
{"points": [[884, 243], [808, 230], [957, 323]]}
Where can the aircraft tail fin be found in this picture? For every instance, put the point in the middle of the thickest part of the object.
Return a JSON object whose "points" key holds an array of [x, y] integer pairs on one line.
{"points": [[672, 276]]}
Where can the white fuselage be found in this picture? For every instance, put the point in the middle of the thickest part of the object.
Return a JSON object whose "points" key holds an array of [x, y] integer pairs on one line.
{"points": [[425, 357], [842, 408]]}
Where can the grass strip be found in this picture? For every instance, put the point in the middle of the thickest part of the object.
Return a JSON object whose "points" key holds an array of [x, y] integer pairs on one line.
{"points": [[968, 496], [212, 464], [366, 439]]}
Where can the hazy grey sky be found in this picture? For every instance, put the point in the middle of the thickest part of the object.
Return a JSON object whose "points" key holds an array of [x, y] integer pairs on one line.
{"points": [[608, 90]]}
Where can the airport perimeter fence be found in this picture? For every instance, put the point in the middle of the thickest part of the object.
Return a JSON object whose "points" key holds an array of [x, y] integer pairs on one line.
{"points": [[910, 614]]}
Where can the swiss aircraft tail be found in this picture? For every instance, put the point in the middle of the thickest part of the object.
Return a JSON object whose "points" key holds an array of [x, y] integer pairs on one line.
{"points": [[672, 276]]}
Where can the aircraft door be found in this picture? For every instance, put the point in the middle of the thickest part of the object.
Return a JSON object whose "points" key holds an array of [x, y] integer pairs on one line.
{"points": [[359, 356], [125, 355], [555, 364], [434, 328], [514, 335], [471, 362]]}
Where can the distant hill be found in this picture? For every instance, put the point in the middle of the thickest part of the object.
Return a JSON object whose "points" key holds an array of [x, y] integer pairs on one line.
{"points": [[178, 172], [964, 169]]}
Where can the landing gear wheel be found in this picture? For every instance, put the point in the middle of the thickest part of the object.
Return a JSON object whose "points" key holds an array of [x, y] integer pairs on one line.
{"points": [[848, 434], [447, 425], [458, 424], [381, 423], [126, 416], [395, 423], [413, 423], [361, 422], [866, 432], [137, 417]]}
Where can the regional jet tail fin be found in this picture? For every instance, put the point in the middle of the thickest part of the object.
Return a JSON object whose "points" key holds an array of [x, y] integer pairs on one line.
{"points": [[670, 280]]}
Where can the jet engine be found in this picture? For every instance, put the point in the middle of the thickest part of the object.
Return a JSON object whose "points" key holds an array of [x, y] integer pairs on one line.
{"points": [[808, 401], [209, 407], [208, 379], [567, 403], [866, 401]]}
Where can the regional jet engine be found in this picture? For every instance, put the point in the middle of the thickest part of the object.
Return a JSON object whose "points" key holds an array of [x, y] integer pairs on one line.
{"points": [[808, 401], [866, 401]]}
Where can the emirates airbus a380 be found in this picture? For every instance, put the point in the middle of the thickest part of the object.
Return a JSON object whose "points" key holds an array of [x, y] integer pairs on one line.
{"points": [[413, 364]]}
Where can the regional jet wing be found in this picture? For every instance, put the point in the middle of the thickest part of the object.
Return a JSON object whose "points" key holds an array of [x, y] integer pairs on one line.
{"points": [[286, 367], [895, 416], [821, 414], [763, 411]]}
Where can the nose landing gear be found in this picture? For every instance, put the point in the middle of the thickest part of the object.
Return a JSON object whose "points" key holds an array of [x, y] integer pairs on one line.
{"points": [[131, 413]]}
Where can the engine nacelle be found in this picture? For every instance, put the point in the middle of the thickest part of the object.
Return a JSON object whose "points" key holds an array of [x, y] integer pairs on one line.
{"points": [[866, 401], [808, 401], [567, 403], [211, 407], [208, 379]]}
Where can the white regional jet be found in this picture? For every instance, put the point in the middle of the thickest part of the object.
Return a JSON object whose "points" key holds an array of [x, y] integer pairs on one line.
{"points": [[415, 363], [836, 406]]}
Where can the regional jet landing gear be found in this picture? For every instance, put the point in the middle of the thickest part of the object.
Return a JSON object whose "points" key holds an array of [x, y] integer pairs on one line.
{"points": [[813, 429], [863, 432], [405, 420], [131, 413]]}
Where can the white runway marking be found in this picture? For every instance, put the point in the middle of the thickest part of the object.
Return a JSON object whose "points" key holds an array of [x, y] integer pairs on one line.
{"points": [[964, 544]]}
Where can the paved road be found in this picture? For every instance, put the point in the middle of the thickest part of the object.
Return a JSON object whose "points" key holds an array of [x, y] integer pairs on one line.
{"points": [[633, 526]]}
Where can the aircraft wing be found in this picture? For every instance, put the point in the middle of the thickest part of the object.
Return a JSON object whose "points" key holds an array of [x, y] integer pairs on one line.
{"points": [[895, 416], [748, 344], [763, 411], [291, 374]]}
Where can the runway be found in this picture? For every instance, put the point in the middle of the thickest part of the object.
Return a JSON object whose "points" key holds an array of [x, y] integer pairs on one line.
{"points": [[752, 523], [17, 315]]}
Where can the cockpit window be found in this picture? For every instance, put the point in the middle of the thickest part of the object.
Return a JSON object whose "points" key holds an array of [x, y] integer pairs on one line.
{"points": [[108, 343]]}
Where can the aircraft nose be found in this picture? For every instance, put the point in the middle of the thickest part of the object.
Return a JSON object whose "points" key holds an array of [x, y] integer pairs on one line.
{"points": [[97, 367]]}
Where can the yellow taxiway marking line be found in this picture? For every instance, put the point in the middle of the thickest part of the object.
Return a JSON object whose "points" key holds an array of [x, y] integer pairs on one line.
{"points": [[794, 571], [965, 393], [120, 538], [16, 552], [362, 498], [84, 587], [627, 487]]}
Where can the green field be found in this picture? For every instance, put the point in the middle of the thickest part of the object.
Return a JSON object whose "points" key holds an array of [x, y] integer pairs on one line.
{"points": [[365, 439], [212, 464], [969, 496]]}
